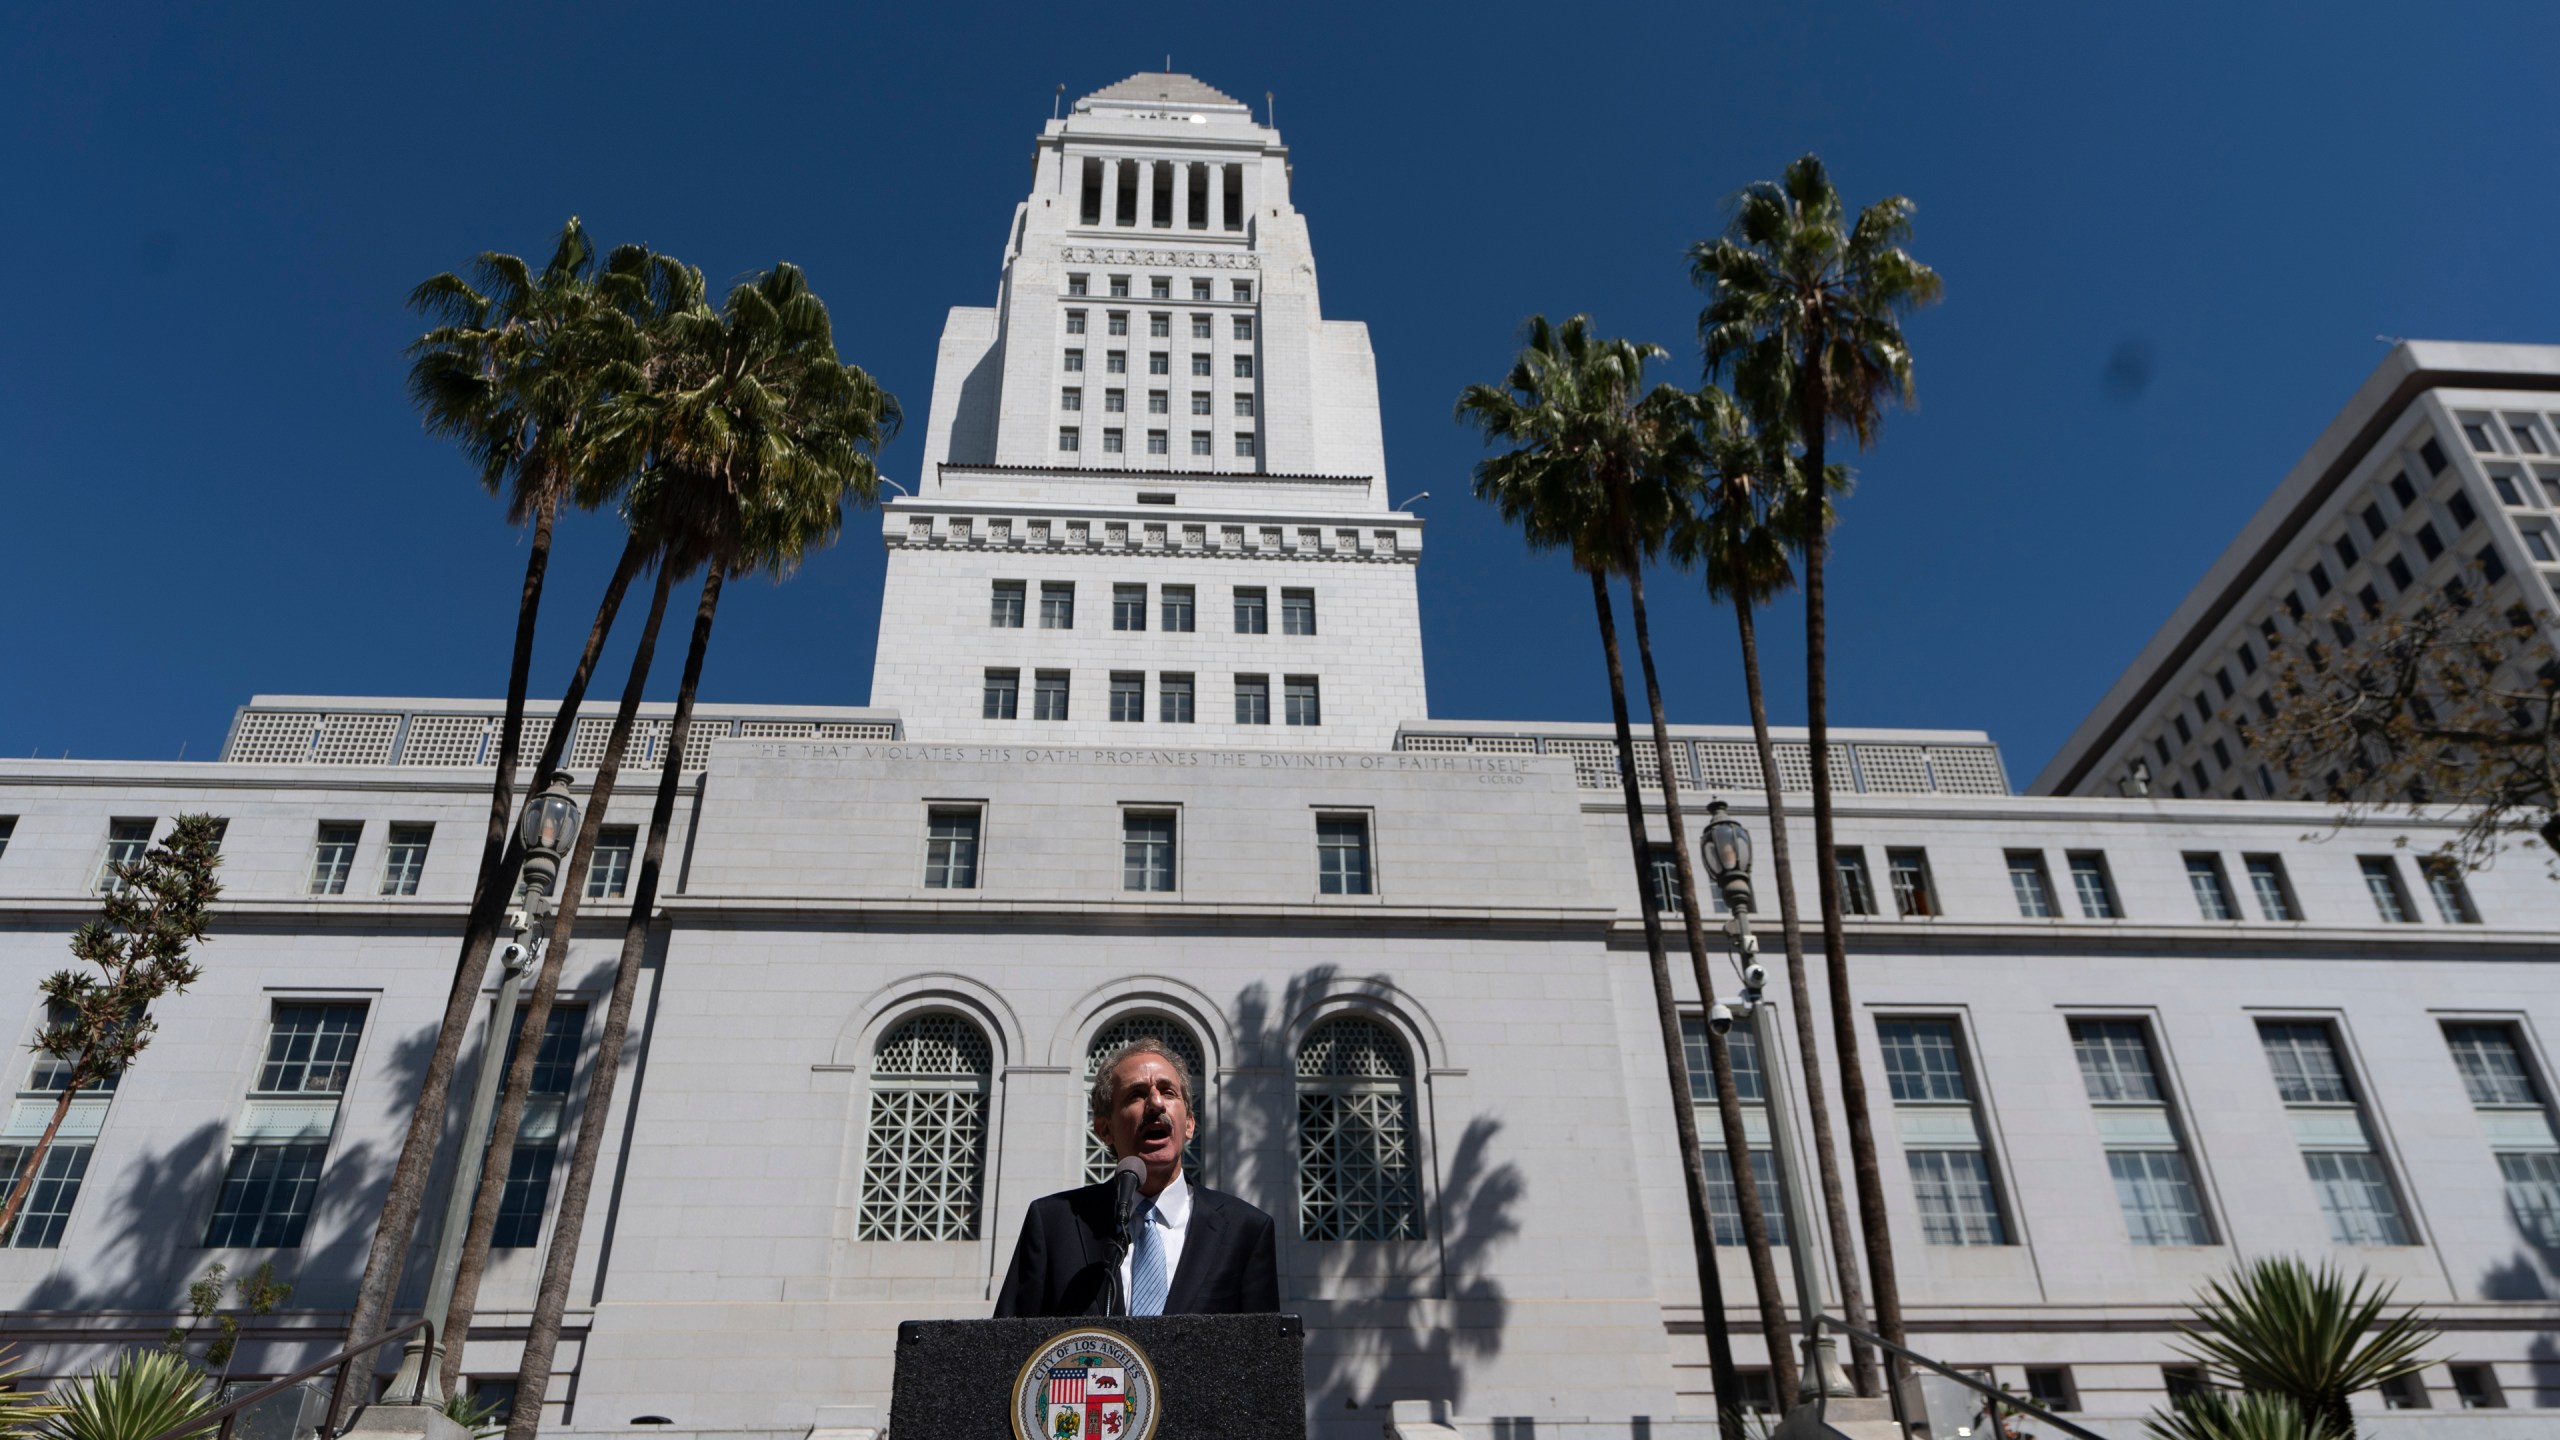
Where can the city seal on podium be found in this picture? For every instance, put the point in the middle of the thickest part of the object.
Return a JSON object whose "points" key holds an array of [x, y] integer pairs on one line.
{"points": [[1086, 1384]]}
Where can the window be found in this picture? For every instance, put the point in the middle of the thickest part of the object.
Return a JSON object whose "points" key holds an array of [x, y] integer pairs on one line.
{"points": [[1342, 855], [1199, 287], [924, 1160], [1057, 605], [2345, 545], [1200, 366], [1724, 1209], [951, 848], [2505, 485], [1252, 611], [2444, 885], [1075, 318], [2213, 891], [1199, 327], [2382, 882], [404, 858], [1178, 1039], [1075, 362], [1114, 441], [1049, 695], [1146, 850], [2516, 1122], [1077, 285], [1156, 442], [2319, 578], [1119, 322], [1004, 688], [1941, 1137], [2155, 1186], [1070, 439], [1253, 699], [280, 1143], [1297, 612], [1909, 871], [46, 1212], [2033, 887], [1241, 291], [1200, 442], [1302, 704], [2460, 508], [2428, 541], [1244, 445], [2398, 569], [1119, 286], [2267, 881], [1357, 1179], [2537, 545], [2089, 882], [2526, 440], [609, 868], [1176, 603], [1173, 699], [1244, 327], [2478, 435], [1159, 287], [1664, 868], [1159, 402], [1244, 404], [2348, 1178], [1159, 324], [2184, 1383], [2433, 455], [8, 827], [1128, 695], [1115, 401], [1128, 607], [1857, 891], [126, 841], [1200, 402], [333, 854], [1159, 363], [2374, 524], [2403, 1392], [528, 1188], [2050, 1386], [1004, 609], [2476, 1387], [1244, 367]]}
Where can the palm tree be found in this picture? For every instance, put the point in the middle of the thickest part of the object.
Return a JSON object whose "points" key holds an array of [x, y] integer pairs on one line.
{"points": [[1736, 536], [512, 373], [755, 433], [1569, 412], [2314, 1337], [1805, 313]]}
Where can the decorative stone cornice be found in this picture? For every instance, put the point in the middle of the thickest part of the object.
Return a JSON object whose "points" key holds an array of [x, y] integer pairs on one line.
{"points": [[1185, 259]]}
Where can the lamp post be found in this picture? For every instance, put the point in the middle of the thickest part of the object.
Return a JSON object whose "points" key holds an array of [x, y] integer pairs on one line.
{"points": [[1726, 848], [548, 827]]}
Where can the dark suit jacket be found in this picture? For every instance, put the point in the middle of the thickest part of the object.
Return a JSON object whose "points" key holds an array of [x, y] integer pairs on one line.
{"points": [[1062, 1265]]}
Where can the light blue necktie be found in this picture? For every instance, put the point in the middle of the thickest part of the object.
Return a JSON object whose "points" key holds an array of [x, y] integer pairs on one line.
{"points": [[1147, 1279]]}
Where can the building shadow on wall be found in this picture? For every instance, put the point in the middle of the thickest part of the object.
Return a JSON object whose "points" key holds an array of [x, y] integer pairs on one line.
{"points": [[2521, 1279], [1387, 1320]]}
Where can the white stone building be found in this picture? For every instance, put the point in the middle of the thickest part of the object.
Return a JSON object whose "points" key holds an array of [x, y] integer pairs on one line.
{"points": [[2118, 1042]]}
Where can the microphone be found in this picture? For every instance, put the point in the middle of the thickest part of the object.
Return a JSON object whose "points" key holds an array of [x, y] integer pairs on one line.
{"points": [[1124, 1199]]}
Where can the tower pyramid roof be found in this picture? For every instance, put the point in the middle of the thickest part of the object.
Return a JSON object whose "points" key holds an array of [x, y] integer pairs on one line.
{"points": [[1166, 87]]}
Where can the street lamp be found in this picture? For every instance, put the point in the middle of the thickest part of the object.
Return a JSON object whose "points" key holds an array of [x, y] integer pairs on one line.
{"points": [[547, 830], [1726, 848]]}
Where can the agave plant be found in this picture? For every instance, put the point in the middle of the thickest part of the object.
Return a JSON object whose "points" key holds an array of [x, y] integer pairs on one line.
{"points": [[2309, 1337], [145, 1393], [482, 1418], [20, 1407], [2218, 1415]]}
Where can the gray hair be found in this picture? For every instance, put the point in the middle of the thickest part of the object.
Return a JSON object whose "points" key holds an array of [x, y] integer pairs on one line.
{"points": [[1099, 1099]]}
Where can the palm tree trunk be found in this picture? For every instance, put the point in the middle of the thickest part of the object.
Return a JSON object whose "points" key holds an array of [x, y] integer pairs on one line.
{"points": [[1684, 1114], [1737, 1140], [1835, 1206], [406, 1194], [542, 1336], [456, 1325], [1873, 1221], [34, 1160]]}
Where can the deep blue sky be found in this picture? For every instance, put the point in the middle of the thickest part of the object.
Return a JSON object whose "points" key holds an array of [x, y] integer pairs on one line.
{"points": [[2170, 236]]}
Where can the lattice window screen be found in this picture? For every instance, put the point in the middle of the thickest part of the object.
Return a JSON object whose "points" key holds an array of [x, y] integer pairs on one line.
{"points": [[449, 740], [778, 729], [1595, 763], [924, 1162], [698, 738], [270, 736], [537, 733], [355, 740], [1968, 769], [648, 744], [1893, 769], [1432, 743], [857, 730], [1177, 1038], [1357, 1179], [1731, 765], [1795, 766], [586, 747]]}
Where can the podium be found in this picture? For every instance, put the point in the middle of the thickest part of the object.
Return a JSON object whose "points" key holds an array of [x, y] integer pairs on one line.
{"points": [[1142, 1377]]}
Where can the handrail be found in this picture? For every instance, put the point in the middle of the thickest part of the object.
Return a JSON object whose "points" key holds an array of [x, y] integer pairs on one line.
{"points": [[344, 1359], [2000, 1397]]}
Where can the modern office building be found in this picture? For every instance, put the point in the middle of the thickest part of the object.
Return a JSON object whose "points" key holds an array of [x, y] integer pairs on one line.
{"points": [[1150, 754]]}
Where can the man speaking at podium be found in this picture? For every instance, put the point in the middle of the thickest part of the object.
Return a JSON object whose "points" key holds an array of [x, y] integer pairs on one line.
{"points": [[1189, 1250]]}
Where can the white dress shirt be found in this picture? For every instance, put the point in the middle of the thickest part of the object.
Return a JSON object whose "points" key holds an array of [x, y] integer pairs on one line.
{"points": [[1172, 1218]]}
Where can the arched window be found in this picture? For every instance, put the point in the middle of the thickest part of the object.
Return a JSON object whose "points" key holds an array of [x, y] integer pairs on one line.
{"points": [[1176, 1038], [927, 1156], [1357, 1179]]}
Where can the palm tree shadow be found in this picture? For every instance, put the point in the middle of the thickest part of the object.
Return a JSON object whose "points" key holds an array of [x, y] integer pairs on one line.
{"points": [[1387, 1321]]}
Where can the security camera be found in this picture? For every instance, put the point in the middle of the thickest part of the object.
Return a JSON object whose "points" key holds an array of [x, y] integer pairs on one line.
{"points": [[511, 955], [1754, 976], [1720, 1018], [1750, 944]]}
